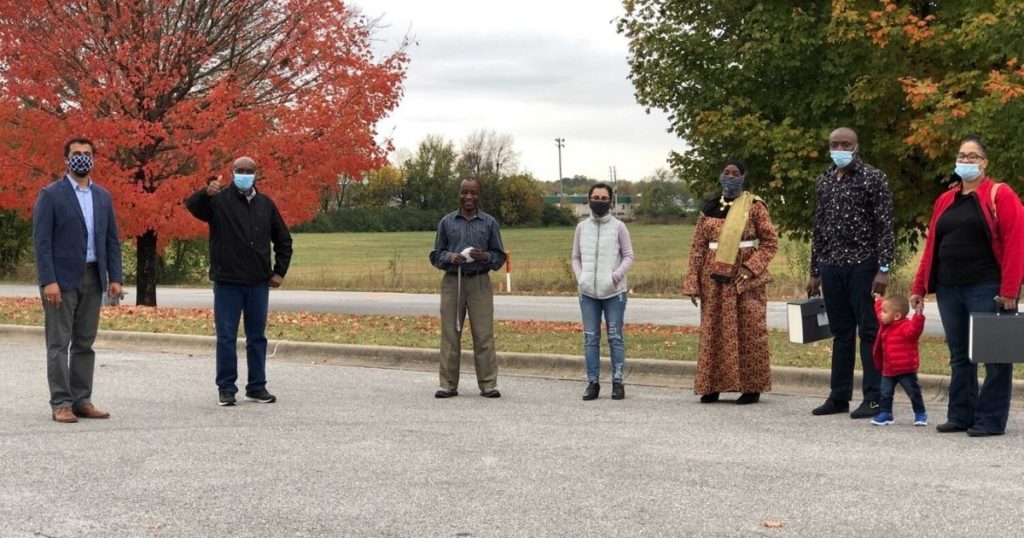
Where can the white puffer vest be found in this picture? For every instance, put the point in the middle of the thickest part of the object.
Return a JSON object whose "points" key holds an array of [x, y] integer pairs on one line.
{"points": [[600, 254]]}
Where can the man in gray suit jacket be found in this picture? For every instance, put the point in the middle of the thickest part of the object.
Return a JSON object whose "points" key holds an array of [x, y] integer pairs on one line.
{"points": [[78, 256]]}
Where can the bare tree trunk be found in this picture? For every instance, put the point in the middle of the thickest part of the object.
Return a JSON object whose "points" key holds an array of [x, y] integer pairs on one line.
{"points": [[145, 263]]}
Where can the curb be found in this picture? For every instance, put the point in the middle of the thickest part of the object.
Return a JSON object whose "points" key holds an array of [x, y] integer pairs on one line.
{"points": [[649, 372]]}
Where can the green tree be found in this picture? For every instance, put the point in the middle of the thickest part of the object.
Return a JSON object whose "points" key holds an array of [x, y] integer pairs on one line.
{"points": [[431, 180], [662, 197], [521, 200], [382, 187], [767, 82]]}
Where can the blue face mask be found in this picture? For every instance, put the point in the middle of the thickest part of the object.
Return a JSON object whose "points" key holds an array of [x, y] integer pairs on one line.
{"points": [[968, 171], [732, 187], [243, 182], [80, 164], [842, 158]]}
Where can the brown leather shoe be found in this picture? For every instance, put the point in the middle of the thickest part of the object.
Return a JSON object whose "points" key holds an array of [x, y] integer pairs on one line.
{"points": [[64, 414], [89, 411]]}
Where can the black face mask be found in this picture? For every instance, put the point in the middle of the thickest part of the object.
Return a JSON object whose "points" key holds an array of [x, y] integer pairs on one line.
{"points": [[599, 209]]}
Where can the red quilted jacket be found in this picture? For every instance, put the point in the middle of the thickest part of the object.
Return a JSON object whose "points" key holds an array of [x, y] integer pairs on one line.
{"points": [[896, 349]]}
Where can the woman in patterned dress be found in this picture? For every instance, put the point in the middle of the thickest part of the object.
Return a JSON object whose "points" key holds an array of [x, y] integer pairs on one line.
{"points": [[728, 272]]}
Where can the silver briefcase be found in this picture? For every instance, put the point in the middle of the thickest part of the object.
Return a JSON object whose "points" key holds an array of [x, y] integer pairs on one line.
{"points": [[996, 338], [807, 321]]}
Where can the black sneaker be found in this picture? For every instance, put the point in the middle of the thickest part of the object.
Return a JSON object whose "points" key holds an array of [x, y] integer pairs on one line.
{"points": [[831, 407], [866, 409], [618, 390], [261, 396], [593, 389], [950, 427], [446, 393], [490, 393], [975, 431], [748, 398], [226, 398]]}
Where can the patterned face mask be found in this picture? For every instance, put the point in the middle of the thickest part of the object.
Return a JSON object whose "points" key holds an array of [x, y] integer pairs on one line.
{"points": [[732, 187], [80, 164]]}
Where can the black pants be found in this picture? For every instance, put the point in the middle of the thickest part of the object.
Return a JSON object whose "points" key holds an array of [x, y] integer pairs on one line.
{"points": [[909, 383], [850, 308]]}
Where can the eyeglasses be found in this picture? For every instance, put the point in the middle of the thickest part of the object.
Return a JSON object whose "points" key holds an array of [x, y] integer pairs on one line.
{"points": [[600, 199], [969, 157]]}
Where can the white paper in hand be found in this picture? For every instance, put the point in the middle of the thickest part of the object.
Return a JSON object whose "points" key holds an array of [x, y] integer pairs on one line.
{"points": [[465, 252]]}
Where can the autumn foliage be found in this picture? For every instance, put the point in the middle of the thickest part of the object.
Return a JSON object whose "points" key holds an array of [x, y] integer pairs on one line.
{"points": [[173, 91]]}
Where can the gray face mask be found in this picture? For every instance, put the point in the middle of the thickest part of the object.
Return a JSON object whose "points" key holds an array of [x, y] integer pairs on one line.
{"points": [[731, 186]]}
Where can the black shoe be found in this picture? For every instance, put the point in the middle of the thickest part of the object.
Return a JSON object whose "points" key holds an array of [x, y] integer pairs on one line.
{"points": [[710, 397], [446, 393], [261, 396], [226, 398], [975, 431], [950, 427], [490, 393], [748, 398], [593, 389], [618, 390], [866, 409], [831, 407]]}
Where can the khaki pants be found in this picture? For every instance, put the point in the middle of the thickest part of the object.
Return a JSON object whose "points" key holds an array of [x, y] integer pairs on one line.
{"points": [[477, 297]]}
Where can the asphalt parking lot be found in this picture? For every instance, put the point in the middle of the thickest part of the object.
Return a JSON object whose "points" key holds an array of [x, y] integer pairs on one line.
{"points": [[351, 451]]}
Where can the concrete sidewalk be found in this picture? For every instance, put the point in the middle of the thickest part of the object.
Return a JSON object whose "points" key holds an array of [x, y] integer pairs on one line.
{"points": [[352, 451]]}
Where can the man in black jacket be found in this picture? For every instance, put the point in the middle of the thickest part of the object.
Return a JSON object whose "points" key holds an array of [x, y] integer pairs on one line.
{"points": [[243, 223]]}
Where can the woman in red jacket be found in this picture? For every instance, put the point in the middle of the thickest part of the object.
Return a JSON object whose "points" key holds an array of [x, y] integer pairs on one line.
{"points": [[974, 253]]}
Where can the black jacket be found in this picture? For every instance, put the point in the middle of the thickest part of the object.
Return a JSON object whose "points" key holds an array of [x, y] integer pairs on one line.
{"points": [[240, 235]]}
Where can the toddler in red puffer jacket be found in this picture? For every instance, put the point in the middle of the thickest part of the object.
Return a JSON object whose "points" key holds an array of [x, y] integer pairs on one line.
{"points": [[896, 356]]}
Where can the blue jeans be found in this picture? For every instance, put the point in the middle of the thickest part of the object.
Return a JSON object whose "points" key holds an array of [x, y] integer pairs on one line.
{"points": [[910, 385], [990, 408], [614, 309], [850, 308], [229, 302]]}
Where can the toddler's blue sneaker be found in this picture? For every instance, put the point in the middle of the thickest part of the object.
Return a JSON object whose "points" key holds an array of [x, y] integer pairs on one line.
{"points": [[920, 419], [883, 419]]}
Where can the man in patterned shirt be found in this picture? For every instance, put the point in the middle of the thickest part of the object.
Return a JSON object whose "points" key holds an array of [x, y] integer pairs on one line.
{"points": [[851, 250]]}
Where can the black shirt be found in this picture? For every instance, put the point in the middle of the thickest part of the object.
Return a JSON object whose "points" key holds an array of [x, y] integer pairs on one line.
{"points": [[963, 250], [853, 217], [241, 231]]}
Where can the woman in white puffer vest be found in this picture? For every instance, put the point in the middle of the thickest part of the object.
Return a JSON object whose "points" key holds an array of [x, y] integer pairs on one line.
{"points": [[601, 254]]}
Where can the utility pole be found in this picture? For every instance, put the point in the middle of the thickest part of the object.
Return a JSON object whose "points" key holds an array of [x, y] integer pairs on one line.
{"points": [[613, 177], [560, 143]]}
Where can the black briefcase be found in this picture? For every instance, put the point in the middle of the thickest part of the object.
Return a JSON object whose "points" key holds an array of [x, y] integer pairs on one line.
{"points": [[996, 338], [807, 321]]}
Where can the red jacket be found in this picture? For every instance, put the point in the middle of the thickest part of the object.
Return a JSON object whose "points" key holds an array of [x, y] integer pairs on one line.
{"points": [[895, 352], [1006, 231]]}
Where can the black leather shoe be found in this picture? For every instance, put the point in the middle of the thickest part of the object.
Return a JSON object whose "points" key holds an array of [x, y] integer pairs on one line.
{"points": [[490, 393], [950, 427], [975, 431], [446, 393], [710, 397], [593, 389], [831, 407], [748, 398], [618, 391], [866, 409]]}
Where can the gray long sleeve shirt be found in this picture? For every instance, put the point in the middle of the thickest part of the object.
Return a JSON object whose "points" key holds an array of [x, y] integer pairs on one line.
{"points": [[455, 233]]}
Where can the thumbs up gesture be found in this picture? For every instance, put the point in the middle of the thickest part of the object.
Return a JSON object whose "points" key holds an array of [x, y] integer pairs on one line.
{"points": [[214, 186]]}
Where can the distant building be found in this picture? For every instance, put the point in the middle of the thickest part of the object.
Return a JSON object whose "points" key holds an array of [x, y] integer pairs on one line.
{"points": [[625, 205]]}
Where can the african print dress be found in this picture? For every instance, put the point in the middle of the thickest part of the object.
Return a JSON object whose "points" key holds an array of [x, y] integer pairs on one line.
{"points": [[733, 355]]}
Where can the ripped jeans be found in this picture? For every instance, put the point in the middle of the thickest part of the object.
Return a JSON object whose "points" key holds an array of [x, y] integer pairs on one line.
{"points": [[614, 309]]}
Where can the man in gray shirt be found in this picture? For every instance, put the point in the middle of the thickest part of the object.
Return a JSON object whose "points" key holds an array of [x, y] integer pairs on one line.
{"points": [[467, 248]]}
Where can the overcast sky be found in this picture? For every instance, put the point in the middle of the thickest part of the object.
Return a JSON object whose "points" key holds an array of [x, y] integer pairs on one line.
{"points": [[534, 69]]}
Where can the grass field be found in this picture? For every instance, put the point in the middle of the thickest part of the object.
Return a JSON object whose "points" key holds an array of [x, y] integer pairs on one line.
{"points": [[541, 263], [642, 341]]}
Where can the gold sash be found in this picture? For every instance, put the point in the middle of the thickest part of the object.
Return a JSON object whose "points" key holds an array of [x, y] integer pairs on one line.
{"points": [[732, 234]]}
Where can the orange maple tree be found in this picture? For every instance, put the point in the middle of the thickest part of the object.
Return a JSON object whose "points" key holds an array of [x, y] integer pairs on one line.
{"points": [[173, 91]]}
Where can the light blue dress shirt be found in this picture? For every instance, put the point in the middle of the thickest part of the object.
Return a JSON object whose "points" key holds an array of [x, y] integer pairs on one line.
{"points": [[85, 202]]}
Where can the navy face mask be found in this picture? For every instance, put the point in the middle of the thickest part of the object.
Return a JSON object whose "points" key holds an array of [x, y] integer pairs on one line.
{"points": [[732, 187], [80, 164]]}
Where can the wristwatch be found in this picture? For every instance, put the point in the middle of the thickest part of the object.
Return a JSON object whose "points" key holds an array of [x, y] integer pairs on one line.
{"points": [[884, 268]]}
